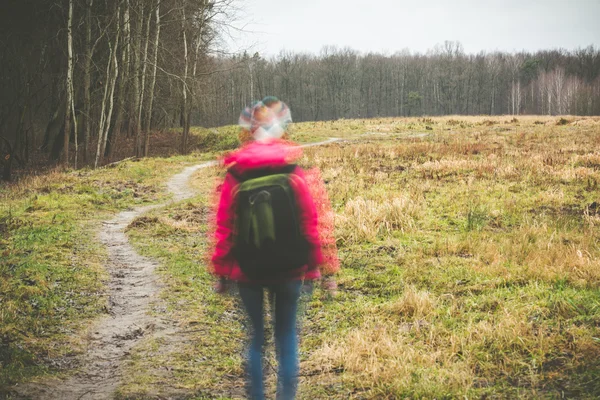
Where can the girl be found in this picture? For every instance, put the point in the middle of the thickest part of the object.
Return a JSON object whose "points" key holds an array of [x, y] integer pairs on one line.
{"points": [[266, 122]]}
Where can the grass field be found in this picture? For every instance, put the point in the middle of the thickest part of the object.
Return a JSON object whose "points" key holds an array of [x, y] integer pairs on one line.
{"points": [[470, 265]]}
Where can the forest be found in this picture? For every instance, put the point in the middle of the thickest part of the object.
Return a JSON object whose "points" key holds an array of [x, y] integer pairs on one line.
{"points": [[79, 75], [343, 83], [86, 82]]}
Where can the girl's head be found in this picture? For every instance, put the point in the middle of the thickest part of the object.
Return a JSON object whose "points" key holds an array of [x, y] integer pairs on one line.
{"points": [[265, 119]]}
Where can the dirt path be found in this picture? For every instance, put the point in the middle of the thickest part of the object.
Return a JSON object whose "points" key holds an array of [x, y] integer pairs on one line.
{"points": [[133, 286]]}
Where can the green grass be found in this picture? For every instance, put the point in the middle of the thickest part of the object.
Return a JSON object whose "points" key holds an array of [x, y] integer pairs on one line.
{"points": [[216, 139], [52, 278]]}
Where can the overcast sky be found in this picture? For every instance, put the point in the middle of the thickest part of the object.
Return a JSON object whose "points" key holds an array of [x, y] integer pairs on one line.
{"points": [[393, 25]]}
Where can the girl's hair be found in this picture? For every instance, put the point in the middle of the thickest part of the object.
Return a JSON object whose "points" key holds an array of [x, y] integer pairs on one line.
{"points": [[265, 119]]}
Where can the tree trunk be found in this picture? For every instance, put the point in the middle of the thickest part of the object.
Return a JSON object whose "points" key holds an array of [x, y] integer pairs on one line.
{"points": [[67, 129], [112, 84], [6, 160], [86, 80], [74, 127], [136, 82], [184, 99], [143, 80], [103, 110], [125, 66], [7, 169], [54, 132], [109, 91], [153, 82]]}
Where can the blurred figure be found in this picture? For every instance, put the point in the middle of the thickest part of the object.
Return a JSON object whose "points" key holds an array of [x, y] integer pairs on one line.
{"points": [[268, 236]]}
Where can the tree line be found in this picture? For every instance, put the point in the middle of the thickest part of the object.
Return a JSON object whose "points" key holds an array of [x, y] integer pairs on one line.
{"points": [[343, 83]]}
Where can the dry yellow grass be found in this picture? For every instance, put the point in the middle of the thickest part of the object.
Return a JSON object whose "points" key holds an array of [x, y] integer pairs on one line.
{"points": [[499, 205], [413, 304], [470, 263], [366, 219], [384, 361]]}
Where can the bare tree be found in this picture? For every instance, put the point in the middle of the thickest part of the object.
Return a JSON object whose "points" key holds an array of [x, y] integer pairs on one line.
{"points": [[69, 85], [87, 72], [557, 82], [136, 80], [138, 129], [122, 88], [184, 84], [74, 127], [112, 73], [514, 64], [153, 82]]}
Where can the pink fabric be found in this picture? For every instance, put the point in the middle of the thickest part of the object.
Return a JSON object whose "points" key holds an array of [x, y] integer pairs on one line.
{"points": [[326, 222], [259, 155]]}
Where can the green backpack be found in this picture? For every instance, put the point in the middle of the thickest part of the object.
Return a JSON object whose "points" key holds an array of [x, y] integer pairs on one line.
{"points": [[268, 241]]}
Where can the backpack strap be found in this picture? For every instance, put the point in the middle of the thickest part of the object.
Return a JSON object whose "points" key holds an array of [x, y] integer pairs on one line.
{"points": [[260, 172]]}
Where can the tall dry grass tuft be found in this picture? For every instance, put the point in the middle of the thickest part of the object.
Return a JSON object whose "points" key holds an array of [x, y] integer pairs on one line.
{"points": [[413, 304], [541, 252], [41, 183], [591, 218], [364, 219], [382, 359]]}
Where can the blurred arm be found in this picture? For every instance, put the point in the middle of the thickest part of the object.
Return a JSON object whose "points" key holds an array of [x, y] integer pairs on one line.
{"points": [[308, 223], [221, 258], [326, 222]]}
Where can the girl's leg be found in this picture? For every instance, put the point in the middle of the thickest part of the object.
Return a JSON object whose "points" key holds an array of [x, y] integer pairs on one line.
{"points": [[286, 307], [252, 297]]}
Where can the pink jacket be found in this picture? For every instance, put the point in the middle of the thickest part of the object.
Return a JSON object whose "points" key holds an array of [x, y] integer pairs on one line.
{"points": [[259, 155]]}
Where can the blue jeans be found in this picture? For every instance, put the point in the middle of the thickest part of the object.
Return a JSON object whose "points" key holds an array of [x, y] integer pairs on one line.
{"points": [[286, 296]]}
